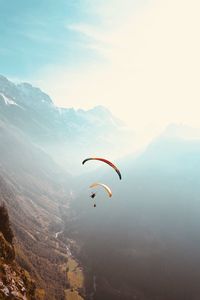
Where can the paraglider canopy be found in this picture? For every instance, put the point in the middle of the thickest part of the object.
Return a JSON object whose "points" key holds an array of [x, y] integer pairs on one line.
{"points": [[108, 190], [105, 161]]}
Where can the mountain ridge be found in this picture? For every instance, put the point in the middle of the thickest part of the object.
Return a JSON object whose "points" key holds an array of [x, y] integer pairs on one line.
{"points": [[62, 132]]}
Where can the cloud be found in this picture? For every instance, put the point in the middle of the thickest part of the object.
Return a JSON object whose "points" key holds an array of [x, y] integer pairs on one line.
{"points": [[149, 72]]}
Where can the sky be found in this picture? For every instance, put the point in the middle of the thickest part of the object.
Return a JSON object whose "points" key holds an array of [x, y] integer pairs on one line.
{"points": [[139, 58]]}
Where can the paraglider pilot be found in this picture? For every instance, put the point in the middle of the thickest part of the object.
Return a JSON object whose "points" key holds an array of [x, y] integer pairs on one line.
{"points": [[93, 195]]}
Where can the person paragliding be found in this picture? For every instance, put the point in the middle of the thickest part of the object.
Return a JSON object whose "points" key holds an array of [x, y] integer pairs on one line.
{"points": [[98, 184]]}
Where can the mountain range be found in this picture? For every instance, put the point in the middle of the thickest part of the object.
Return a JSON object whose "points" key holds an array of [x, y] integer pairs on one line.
{"points": [[41, 145], [142, 244], [66, 134]]}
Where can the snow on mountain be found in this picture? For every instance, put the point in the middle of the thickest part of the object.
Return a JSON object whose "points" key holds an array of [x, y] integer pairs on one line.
{"points": [[7, 100]]}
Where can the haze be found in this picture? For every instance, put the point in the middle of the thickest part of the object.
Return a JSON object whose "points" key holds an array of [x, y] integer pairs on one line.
{"points": [[138, 58]]}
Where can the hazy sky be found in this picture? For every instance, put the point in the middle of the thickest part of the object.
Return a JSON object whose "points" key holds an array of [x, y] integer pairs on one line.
{"points": [[140, 58]]}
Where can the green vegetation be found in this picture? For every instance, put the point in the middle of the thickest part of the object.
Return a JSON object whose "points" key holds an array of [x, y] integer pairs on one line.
{"points": [[5, 224]]}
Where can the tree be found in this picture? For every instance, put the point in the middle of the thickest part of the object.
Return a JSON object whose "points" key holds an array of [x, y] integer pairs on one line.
{"points": [[5, 227]]}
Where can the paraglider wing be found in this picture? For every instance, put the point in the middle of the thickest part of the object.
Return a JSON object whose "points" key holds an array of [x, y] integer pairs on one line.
{"points": [[105, 161], [108, 190]]}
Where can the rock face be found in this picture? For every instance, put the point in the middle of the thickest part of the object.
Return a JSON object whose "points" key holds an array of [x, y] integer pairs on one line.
{"points": [[33, 205], [6, 250], [15, 282]]}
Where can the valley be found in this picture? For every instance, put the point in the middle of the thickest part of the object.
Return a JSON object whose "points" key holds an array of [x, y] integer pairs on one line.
{"points": [[142, 244]]}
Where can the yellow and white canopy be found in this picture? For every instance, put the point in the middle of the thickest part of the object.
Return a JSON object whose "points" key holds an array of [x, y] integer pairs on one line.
{"points": [[108, 190]]}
